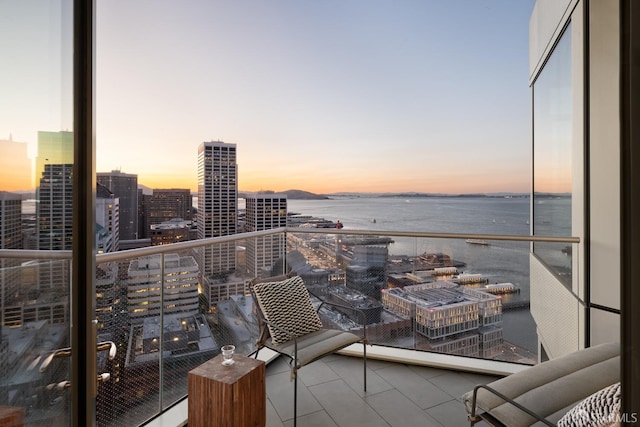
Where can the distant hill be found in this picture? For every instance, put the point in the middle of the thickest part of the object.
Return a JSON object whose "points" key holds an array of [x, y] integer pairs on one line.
{"points": [[417, 194], [291, 194], [475, 195], [300, 194]]}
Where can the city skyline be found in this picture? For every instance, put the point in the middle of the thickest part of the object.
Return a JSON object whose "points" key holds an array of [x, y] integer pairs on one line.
{"points": [[325, 97]]}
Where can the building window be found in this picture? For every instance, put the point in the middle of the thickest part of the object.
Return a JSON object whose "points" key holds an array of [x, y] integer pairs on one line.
{"points": [[552, 141]]}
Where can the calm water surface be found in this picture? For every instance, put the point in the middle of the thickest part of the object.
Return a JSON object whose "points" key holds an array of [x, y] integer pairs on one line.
{"points": [[499, 262]]}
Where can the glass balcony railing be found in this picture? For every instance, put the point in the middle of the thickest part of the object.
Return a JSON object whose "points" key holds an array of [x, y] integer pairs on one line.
{"points": [[163, 310]]}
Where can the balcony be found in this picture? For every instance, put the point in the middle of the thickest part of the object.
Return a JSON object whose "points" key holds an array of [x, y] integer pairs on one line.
{"points": [[331, 395], [398, 394], [445, 311]]}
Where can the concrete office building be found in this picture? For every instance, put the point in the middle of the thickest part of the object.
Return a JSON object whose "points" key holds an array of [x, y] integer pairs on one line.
{"points": [[173, 231], [217, 216], [265, 212], [454, 319], [10, 238], [108, 214], [217, 203], [54, 212], [47, 280], [144, 283], [54, 229], [125, 187], [55, 198], [167, 204], [143, 204]]}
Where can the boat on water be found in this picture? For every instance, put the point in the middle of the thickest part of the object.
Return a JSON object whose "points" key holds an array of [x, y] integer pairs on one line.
{"points": [[477, 242], [502, 288], [328, 224]]}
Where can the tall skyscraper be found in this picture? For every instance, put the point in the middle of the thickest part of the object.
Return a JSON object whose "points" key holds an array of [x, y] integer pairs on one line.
{"points": [[108, 217], [54, 208], [53, 148], [54, 229], [10, 220], [264, 212], [217, 216], [143, 206], [217, 204], [10, 238], [54, 169], [125, 187]]}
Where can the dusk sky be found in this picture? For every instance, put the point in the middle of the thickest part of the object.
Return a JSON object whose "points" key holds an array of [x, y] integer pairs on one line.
{"points": [[324, 96]]}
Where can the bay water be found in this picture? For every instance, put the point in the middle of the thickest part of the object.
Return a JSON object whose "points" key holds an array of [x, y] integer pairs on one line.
{"points": [[499, 261]]}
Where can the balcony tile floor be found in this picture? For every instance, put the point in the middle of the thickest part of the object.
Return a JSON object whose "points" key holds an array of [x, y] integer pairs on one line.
{"points": [[330, 393]]}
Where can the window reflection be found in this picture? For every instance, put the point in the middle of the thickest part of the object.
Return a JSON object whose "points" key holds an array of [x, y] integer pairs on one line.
{"points": [[36, 164], [552, 129]]}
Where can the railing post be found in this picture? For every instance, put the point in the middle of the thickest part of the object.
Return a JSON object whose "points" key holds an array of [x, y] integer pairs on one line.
{"points": [[285, 249], [161, 338]]}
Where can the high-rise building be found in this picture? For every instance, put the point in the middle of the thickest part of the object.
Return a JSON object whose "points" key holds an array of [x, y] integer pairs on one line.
{"points": [[108, 216], [15, 166], [54, 226], [43, 285], [143, 205], [54, 207], [167, 204], [265, 211], [54, 190], [10, 238], [125, 187], [173, 231], [217, 216], [180, 286], [107, 240], [53, 148], [217, 204], [107, 296], [10, 220]]}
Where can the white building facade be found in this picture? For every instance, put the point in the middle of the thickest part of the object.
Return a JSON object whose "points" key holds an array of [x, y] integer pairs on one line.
{"points": [[145, 281], [264, 212]]}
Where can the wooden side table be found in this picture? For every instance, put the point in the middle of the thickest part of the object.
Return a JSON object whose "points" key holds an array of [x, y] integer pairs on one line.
{"points": [[229, 396], [11, 416]]}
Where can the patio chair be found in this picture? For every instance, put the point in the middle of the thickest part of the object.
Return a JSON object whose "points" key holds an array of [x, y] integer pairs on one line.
{"points": [[291, 326], [560, 391]]}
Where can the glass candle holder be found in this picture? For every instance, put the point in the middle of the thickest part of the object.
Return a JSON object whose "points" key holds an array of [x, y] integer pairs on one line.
{"points": [[227, 354]]}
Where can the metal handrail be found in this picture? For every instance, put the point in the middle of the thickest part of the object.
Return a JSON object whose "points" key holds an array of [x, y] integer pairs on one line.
{"points": [[34, 254], [193, 244], [509, 237]]}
